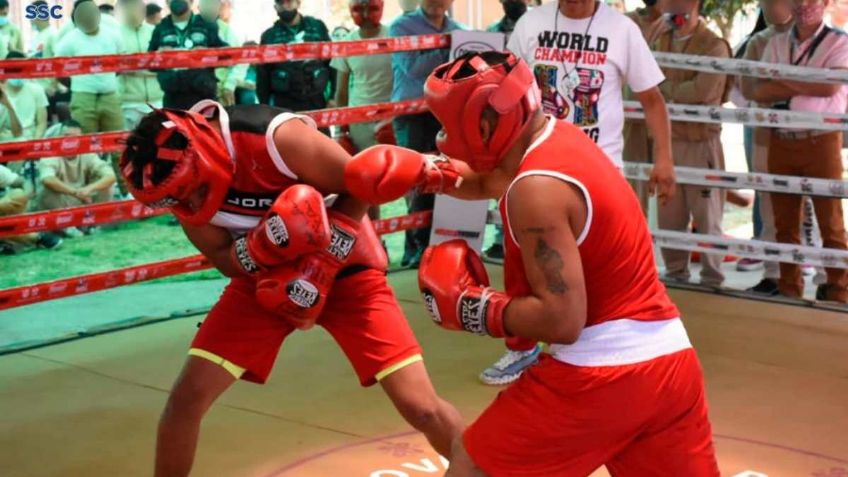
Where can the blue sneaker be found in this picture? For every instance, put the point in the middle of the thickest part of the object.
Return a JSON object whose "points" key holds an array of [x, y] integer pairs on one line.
{"points": [[510, 366]]}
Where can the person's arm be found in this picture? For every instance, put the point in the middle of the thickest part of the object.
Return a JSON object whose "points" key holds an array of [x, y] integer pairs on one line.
{"points": [[56, 185], [662, 181], [455, 285], [342, 88], [819, 90], [263, 78], [318, 161], [547, 216], [105, 177], [703, 88], [14, 123], [215, 243], [18, 42], [40, 121]]}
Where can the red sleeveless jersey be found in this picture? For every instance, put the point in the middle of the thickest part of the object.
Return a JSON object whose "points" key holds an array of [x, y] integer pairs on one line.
{"points": [[615, 246], [261, 173]]}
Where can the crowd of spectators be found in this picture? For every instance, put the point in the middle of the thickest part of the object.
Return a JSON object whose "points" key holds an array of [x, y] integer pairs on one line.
{"points": [[579, 90]]}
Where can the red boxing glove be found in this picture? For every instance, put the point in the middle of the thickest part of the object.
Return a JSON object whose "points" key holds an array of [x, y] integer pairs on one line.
{"points": [[455, 287], [384, 132], [295, 224], [346, 143], [383, 173], [298, 290], [368, 251]]}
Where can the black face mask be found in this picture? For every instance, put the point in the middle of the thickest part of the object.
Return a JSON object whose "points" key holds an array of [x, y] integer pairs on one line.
{"points": [[287, 15], [178, 7], [514, 10]]}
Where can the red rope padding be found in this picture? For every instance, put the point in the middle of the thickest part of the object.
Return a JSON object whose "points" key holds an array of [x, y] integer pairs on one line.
{"points": [[85, 215], [210, 57], [114, 141], [29, 294]]}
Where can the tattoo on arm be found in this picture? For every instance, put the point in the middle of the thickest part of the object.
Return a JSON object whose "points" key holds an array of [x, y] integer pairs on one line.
{"points": [[551, 263]]}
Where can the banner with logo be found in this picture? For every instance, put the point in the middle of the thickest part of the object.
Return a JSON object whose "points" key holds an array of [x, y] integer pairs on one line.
{"points": [[464, 41], [463, 219]]}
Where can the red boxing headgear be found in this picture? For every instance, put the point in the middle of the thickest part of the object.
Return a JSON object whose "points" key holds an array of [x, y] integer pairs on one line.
{"points": [[458, 100], [204, 161], [372, 10]]}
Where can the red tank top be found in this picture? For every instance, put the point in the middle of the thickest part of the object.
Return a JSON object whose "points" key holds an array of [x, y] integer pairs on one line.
{"points": [[260, 173], [615, 246]]}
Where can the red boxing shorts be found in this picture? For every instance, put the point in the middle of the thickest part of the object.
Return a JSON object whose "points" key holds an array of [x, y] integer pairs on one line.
{"points": [[362, 315], [561, 420]]}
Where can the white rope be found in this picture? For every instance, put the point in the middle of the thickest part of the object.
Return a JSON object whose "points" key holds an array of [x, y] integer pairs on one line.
{"points": [[770, 118], [641, 171], [756, 249], [759, 69]]}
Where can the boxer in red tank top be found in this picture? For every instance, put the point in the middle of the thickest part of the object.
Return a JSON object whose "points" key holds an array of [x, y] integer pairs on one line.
{"points": [[622, 386], [260, 192]]}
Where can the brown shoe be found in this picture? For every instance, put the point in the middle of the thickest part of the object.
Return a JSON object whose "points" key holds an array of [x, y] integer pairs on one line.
{"points": [[830, 292]]}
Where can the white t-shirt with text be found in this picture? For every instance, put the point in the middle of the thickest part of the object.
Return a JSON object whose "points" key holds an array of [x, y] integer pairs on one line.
{"points": [[582, 65]]}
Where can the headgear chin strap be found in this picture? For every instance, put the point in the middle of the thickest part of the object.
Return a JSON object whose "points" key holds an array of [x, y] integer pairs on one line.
{"points": [[204, 161], [458, 102], [361, 10]]}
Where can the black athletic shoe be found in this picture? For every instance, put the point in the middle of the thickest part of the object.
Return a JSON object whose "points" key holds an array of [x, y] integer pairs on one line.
{"points": [[766, 287], [494, 254], [48, 240], [7, 249]]}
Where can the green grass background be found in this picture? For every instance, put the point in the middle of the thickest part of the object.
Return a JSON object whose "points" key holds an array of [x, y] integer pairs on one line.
{"points": [[134, 243]]}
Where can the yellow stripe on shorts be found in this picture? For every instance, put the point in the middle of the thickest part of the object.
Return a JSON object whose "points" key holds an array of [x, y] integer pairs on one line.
{"points": [[397, 366], [234, 369]]}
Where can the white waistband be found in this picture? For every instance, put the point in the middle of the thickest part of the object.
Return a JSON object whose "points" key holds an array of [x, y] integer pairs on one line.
{"points": [[620, 342]]}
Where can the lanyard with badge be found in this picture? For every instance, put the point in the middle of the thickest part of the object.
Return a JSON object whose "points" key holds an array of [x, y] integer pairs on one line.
{"points": [[182, 35], [571, 79], [811, 49], [807, 55]]}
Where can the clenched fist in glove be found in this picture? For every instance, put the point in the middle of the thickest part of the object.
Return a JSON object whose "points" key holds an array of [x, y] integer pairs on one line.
{"points": [[455, 287], [295, 224], [298, 290], [384, 173]]}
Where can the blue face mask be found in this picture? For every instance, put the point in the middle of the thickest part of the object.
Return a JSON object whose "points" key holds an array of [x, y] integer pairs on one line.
{"points": [[4, 21], [15, 82]]}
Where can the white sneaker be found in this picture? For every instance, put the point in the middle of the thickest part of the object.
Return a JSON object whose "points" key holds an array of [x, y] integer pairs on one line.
{"points": [[510, 366]]}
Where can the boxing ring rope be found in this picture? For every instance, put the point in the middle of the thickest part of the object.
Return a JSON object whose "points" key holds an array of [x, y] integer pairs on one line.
{"points": [[131, 210]]}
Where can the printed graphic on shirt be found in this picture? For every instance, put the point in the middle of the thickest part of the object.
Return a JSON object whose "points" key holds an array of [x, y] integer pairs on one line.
{"points": [[572, 89]]}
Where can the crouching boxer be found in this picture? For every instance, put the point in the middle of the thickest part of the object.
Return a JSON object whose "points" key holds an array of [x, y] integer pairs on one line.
{"points": [[622, 386], [247, 184]]}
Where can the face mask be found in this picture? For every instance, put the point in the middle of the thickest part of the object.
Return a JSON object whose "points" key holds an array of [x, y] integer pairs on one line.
{"points": [[808, 14], [287, 15], [514, 10], [178, 7], [4, 21], [677, 20], [15, 82]]}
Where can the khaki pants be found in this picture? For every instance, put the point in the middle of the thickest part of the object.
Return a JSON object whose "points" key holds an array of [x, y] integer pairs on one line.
{"points": [[820, 157], [638, 147], [809, 226], [703, 205], [49, 199], [97, 112], [14, 203]]}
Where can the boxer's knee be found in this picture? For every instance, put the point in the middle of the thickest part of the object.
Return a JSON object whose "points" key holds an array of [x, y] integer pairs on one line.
{"points": [[198, 386], [422, 414]]}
